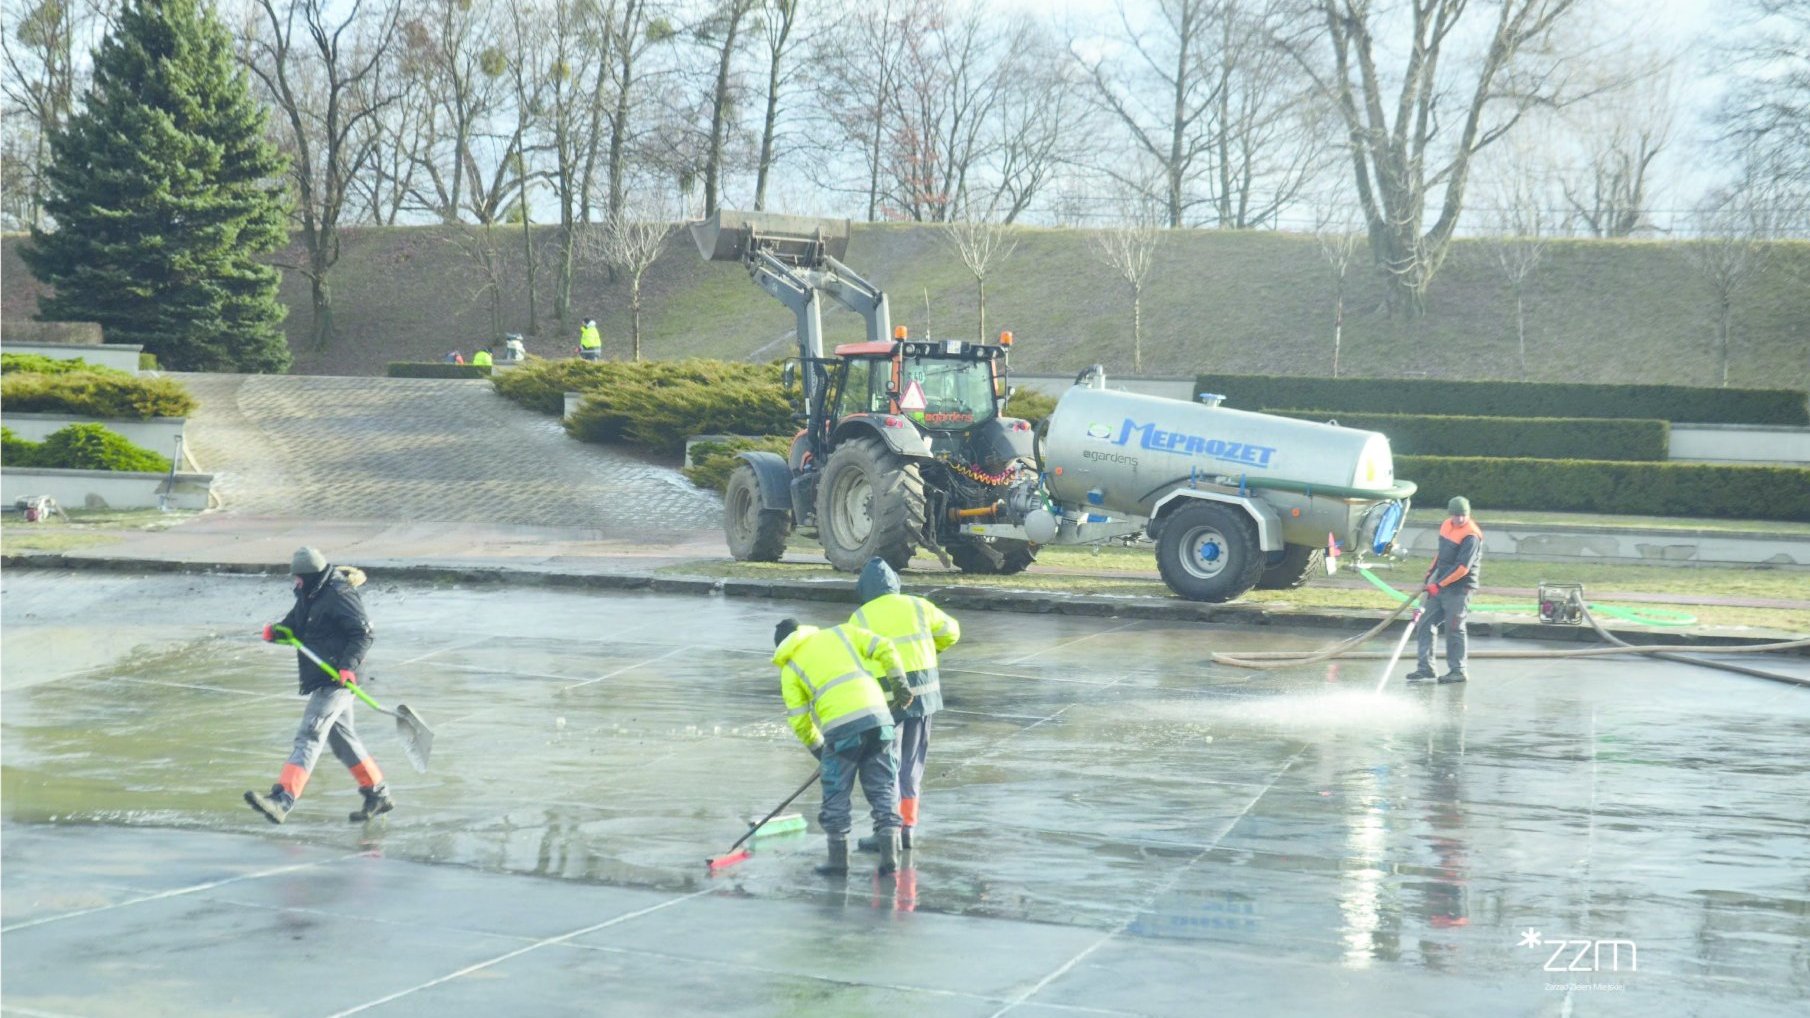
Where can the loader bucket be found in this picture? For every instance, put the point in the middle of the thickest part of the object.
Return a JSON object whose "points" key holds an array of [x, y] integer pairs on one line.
{"points": [[795, 240]]}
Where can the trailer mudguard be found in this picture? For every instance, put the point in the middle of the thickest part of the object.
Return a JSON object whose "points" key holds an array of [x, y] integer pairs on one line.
{"points": [[1269, 524], [899, 434], [774, 478]]}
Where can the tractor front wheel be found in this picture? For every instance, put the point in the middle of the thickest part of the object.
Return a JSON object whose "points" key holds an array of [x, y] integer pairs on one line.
{"points": [[755, 534]]}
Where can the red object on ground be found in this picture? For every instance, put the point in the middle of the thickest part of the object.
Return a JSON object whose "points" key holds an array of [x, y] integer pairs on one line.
{"points": [[726, 861]]}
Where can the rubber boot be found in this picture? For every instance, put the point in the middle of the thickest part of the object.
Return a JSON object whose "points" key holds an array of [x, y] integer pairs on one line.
{"points": [[905, 838], [837, 865], [275, 806], [377, 803], [889, 853], [868, 844]]}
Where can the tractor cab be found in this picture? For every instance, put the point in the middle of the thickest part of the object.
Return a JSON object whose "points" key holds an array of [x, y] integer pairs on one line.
{"points": [[946, 387]]}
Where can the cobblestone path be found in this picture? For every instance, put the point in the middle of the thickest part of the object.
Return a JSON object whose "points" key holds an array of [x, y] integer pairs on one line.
{"points": [[421, 450]]}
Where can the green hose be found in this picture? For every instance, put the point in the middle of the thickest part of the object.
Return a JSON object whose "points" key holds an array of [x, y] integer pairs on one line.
{"points": [[1638, 616]]}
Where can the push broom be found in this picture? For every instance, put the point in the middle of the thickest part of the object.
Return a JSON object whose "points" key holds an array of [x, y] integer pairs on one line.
{"points": [[417, 739], [733, 856]]}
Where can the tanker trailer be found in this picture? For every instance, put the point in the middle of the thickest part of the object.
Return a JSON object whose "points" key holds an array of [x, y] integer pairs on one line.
{"points": [[1232, 499]]}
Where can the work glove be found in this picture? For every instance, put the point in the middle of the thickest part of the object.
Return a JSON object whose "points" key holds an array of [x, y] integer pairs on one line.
{"points": [[1432, 590], [347, 677], [901, 695], [270, 635]]}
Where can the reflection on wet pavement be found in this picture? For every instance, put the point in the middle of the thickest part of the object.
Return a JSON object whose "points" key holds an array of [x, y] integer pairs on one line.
{"points": [[1288, 840]]}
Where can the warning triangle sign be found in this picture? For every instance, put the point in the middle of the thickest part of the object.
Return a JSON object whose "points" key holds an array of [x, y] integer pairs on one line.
{"points": [[913, 398]]}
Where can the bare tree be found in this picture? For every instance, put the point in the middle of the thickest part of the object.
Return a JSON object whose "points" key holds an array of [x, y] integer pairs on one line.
{"points": [[317, 61], [1040, 122], [1767, 111], [1129, 249], [1398, 164], [1522, 233], [629, 245], [858, 62], [633, 29], [1337, 230], [466, 157], [40, 77], [1735, 226], [725, 28], [489, 251], [526, 54], [779, 25], [981, 242], [1267, 134], [1163, 94]]}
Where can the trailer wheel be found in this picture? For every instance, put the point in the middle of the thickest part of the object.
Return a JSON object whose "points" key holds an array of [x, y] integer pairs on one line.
{"points": [[1292, 569], [1001, 558], [1209, 552], [869, 502], [755, 534]]}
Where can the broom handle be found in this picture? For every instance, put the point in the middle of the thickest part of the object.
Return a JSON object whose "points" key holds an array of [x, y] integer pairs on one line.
{"points": [[808, 782]]}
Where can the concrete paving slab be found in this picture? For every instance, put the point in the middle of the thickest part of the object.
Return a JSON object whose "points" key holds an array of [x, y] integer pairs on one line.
{"points": [[1110, 824]]}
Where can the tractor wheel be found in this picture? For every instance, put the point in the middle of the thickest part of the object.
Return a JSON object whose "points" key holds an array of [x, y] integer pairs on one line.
{"points": [[755, 534], [1209, 552], [1292, 568], [869, 502], [1001, 558]]}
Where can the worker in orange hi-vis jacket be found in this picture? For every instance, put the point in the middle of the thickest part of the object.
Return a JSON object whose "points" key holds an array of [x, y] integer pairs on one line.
{"points": [[1450, 583]]}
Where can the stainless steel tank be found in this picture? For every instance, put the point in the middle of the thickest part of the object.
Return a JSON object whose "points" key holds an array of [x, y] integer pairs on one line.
{"points": [[1120, 453]]}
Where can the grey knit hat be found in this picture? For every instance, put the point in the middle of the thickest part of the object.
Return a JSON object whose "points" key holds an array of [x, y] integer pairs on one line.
{"points": [[307, 561], [1459, 506]]}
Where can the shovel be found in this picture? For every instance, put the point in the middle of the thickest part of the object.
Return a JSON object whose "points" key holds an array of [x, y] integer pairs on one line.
{"points": [[417, 739]]}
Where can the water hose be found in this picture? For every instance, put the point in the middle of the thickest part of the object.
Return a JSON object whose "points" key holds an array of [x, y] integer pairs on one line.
{"points": [[1271, 660], [1639, 616]]}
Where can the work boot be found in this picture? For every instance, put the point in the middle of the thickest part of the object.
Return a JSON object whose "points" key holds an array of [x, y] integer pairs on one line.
{"points": [[889, 854], [1455, 675], [867, 844], [274, 806], [1421, 674], [905, 838], [377, 803], [837, 866]]}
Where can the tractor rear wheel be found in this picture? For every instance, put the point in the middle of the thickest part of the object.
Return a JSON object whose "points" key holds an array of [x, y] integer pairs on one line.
{"points": [[870, 502], [1209, 552], [755, 534], [1292, 568], [1001, 558]]}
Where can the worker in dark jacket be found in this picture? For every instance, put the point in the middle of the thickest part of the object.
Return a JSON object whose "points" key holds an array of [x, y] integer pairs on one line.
{"points": [[921, 631], [1450, 582], [329, 619]]}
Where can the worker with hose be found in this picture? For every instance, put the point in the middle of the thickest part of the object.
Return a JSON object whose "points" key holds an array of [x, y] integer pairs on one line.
{"points": [[921, 631], [1449, 585], [329, 619], [839, 710]]}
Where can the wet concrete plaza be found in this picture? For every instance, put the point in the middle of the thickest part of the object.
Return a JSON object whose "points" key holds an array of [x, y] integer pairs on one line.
{"points": [[1110, 825]]}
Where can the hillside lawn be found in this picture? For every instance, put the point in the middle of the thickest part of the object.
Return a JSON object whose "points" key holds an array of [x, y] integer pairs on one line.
{"points": [[1224, 301]]}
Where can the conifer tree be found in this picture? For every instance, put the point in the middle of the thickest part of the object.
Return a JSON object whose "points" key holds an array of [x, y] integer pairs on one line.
{"points": [[164, 190]]}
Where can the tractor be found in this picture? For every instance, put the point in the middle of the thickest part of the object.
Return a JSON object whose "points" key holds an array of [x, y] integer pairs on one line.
{"points": [[902, 444]]}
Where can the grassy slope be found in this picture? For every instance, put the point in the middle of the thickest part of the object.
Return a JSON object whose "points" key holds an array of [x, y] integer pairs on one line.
{"points": [[1231, 301]]}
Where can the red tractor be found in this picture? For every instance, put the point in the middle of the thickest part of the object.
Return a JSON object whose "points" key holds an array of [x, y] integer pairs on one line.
{"points": [[903, 443]]}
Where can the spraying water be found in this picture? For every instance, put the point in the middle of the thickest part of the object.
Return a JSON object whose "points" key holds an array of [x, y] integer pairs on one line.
{"points": [[1401, 644]]}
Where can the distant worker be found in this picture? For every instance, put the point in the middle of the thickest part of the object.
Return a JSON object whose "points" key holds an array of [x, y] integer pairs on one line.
{"points": [[921, 631], [514, 349], [329, 619], [839, 711], [454, 357], [482, 358], [590, 341], [1450, 582]]}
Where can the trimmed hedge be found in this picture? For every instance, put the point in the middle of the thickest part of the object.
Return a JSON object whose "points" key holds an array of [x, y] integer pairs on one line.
{"points": [[659, 414], [94, 394], [436, 369], [1030, 405], [81, 447], [1528, 437], [712, 462], [1514, 399], [541, 385], [40, 364], [1606, 486]]}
